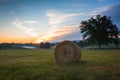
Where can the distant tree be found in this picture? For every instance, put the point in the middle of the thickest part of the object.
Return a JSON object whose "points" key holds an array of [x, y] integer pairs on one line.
{"points": [[6, 46], [41, 45], [45, 45], [99, 30], [79, 43], [82, 43]]}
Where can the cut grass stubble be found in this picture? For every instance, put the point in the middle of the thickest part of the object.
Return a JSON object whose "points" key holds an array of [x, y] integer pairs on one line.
{"points": [[39, 65]]}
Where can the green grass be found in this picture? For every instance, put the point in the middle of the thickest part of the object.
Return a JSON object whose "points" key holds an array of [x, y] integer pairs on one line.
{"points": [[39, 65]]}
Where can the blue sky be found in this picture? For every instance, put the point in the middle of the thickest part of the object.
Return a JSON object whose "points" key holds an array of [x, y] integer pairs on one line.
{"points": [[50, 20]]}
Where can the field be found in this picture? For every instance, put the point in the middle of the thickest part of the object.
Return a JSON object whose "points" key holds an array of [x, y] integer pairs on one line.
{"points": [[39, 65]]}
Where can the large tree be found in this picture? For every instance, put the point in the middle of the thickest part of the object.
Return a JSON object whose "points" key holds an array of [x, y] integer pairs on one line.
{"points": [[98, 30]]}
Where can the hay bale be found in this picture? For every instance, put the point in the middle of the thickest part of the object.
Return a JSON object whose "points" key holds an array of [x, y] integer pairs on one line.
{"points": [[67, 52]]}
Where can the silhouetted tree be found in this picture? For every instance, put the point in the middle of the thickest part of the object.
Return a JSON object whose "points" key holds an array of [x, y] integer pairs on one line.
{"points": [[79, 43], [82, 43], [45, 45], [41, 45], [98, 30]]}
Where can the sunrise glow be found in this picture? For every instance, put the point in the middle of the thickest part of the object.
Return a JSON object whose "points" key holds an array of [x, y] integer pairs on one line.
{"points": [[28, 21]]}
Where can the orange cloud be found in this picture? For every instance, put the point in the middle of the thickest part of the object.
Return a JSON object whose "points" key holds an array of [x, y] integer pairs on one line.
{"points": [[56, 33]]}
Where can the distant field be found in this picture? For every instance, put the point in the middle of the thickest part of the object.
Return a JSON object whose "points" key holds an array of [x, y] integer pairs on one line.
{"points": [[39, 65]]}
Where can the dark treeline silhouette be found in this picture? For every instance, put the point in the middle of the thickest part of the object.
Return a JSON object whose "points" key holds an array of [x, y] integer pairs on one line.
{"points": [[45, 45], [15, 45], [42, 45]]}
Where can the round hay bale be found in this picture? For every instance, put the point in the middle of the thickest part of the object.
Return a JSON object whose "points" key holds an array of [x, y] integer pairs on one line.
{"points": [[67, 52]]}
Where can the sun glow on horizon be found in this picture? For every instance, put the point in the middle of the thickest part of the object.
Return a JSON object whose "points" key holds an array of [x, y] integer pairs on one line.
{"points": [[30, 22], [57, 33]]}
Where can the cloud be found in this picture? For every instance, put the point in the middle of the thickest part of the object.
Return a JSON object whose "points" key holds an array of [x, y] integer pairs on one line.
{"points": [[56, 17], [31, 22], [20, 25], [98, 11], [71, 32], [57, 33], [65, 32]]}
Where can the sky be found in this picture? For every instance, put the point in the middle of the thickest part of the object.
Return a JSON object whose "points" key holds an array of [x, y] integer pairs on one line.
{"points": [[35, 21]]}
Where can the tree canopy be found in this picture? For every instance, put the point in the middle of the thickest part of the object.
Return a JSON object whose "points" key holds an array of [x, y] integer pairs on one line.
{"points": [[99, 30]]}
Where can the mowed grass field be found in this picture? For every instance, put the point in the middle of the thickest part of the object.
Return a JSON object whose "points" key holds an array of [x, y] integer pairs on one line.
{"points": [[39, 65]]}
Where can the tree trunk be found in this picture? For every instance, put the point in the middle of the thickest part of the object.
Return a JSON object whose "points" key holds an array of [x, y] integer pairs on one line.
{"points": [[99, 45]]}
